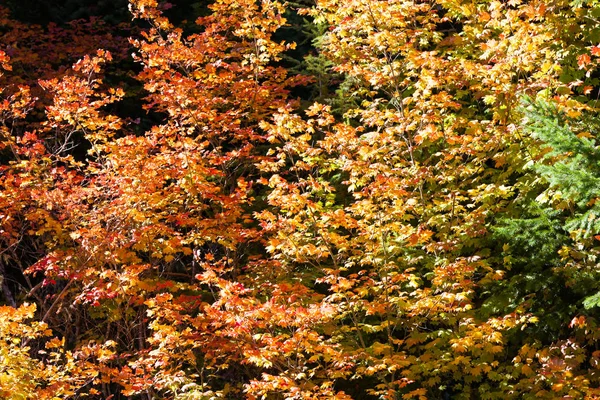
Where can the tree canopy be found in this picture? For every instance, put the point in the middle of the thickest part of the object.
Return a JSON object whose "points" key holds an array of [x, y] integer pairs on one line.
{"points": [[329, 199]]}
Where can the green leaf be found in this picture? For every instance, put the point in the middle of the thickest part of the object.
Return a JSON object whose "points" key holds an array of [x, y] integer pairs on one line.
{"points": [[592, 301]]}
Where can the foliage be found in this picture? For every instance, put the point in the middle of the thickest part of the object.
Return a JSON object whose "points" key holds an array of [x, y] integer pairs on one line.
{"points": [[422, 230]]}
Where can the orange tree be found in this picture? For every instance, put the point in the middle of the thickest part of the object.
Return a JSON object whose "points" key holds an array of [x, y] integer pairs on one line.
{"points": [[149, 244], [35, 364]]}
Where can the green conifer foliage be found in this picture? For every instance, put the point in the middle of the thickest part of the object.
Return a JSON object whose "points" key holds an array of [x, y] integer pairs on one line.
{"points": [[569, 164], [550, 231]]}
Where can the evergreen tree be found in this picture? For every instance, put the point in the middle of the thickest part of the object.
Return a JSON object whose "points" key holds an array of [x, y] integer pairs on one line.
{"points": [[550, 231]]}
